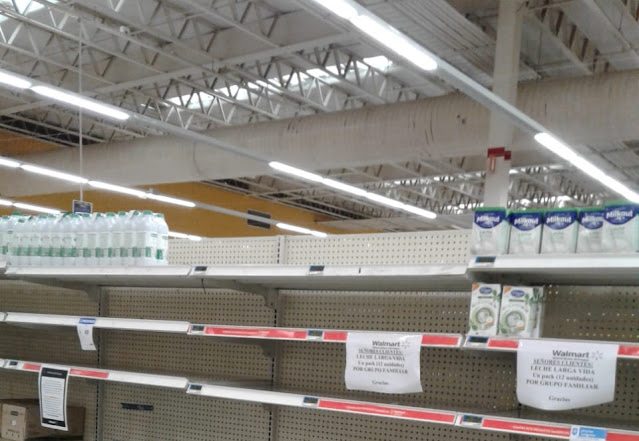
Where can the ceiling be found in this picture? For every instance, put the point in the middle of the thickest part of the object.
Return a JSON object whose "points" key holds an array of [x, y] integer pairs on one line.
{"points": [[204, 64]]}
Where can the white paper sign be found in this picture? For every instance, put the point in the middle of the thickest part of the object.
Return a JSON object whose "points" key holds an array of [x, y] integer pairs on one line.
{"points": [[582, 433], [85, 333], [386, 363], [564, 375], [52, 385]]}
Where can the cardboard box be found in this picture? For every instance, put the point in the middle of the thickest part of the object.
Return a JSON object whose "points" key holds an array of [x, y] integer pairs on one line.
{"points": [[21, 422], [484, 309]]}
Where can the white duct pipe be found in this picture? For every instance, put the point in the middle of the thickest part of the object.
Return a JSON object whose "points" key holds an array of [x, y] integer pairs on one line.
{"points": [[587, 110]]}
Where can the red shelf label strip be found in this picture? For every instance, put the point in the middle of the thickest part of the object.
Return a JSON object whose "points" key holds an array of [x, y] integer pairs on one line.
{"points": [[629, 351], [621, 437], [256, 333], [527, 428], [441, 340], [503, 344], [392, 412], [88, 374], [31, 367]]}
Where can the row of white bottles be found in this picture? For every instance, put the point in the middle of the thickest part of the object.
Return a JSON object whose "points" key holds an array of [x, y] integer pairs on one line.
{"points": [[100, 239]]}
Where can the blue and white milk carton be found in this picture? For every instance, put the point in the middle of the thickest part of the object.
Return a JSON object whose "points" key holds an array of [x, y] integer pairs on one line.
{"points": [[590, 236], [490, 232], [525, 231], [621, 227], [559, 235]]}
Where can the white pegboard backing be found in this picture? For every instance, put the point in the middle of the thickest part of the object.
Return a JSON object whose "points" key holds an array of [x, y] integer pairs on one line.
{"points": [[27, 297], [592, 313], [223, 251], [81, 393], [395, 248], [197, 358], [178, 416], [451, 379], [386, 311], [309, 425], [193, 305], [47, 345]]}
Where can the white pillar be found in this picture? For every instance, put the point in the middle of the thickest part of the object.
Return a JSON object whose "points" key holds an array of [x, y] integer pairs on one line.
{"points": [[505, 79]]}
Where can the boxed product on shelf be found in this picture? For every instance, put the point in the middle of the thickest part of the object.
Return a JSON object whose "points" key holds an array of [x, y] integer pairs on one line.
{"points": [[490, 231], [559, 234], [21, 421], [621, 227], [590, 233], [521, 311], [484, 309], [525, 231]]}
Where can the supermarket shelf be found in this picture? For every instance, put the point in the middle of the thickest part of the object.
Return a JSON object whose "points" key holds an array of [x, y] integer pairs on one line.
{"points": [[124, 324], [501, 344], [114, 276], [102, 374], [533, 427], [314, 334], [572, 269], [340, 277], [320, 403]]}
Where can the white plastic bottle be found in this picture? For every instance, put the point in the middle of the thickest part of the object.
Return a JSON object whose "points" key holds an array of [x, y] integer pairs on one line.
{"points": [[146, 239], [104, 239], [137, 240], [128, 239], [113, 253], [27, 234], [35, 243], [90, 257], [16, 242], [7, 227], [4, 224], [68, 239], [46, 232], [162, 240], [56, 241], [81, 239]]}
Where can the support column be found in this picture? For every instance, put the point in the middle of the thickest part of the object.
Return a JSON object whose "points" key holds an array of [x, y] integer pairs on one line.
{"points": [[505, 80]]}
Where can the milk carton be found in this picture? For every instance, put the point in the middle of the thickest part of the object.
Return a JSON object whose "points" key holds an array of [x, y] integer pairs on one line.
{"points": [[490, 232], [559, 235], [521, 311], [484, 309], [525, 231], [590, 235], [620, 228]]}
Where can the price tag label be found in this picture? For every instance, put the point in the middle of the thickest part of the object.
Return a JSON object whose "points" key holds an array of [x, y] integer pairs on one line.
{"points": [[85, 333], [581, 433]]}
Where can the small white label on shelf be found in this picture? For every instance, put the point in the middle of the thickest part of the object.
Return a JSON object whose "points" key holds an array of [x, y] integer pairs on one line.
{"points": [[581, 433], [52, 385], [555, 375], [386, 363], [85, 333]]}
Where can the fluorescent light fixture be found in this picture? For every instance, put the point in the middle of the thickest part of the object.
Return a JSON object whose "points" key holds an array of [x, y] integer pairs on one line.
{"points": [[295, 171], [395, 41], [170, 200], [525, 202], [14, 81], [340, 8], [54, 174], [301, 230], [177, 235], [384, 200], [118, 189], [36, 208], [419, 211], [6, 202], [75, 100], [343, 187], [9, 163], [561, 149], [556, 146]]}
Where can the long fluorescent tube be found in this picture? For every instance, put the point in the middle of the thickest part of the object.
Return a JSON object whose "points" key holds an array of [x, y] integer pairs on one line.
{"points": [[339, 8], [289, 227], [170, 200], [177, 235], [6, 202], [90, 105], [9, 163], [54, 174], [36, 208], [14, 81], [343, 187], [419, 211], [395, 41], [384, 200], [561, 149], [295, 171], [118, 189]]}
